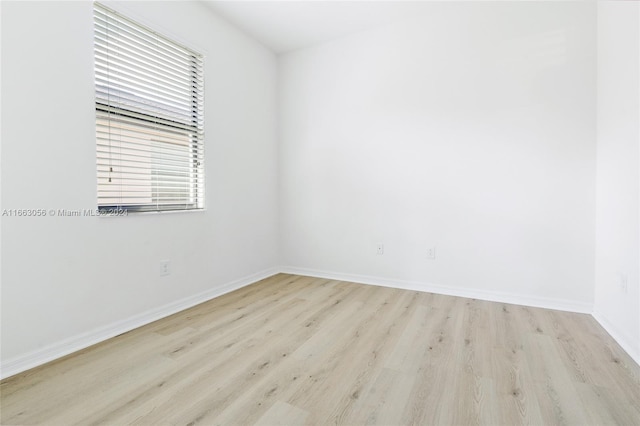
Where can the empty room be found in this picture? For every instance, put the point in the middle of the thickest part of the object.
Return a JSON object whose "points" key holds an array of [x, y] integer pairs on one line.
{"points": [[320, 212]]}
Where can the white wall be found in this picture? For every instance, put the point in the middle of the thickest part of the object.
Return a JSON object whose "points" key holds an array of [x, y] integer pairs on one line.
{"points": [[471, 129], [68, 280], [618, 179]]}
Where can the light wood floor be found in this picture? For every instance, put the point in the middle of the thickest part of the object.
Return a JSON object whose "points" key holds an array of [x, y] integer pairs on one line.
{"points": [[300, 350]]}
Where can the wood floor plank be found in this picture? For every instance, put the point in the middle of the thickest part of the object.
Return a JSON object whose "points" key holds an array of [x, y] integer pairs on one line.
{"points": [[556, 393], [300, 350], [283, 414], [383, 401]]}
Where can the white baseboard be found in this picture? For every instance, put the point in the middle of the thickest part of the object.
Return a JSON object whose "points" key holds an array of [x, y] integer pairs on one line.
{"points": [[84, 340], [624, 340], [516, 299]]}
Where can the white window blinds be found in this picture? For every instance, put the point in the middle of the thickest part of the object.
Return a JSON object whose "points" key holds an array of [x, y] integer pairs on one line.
{"points": [[149, 118]]}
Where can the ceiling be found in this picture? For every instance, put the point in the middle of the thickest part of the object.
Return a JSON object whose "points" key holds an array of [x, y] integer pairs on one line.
{"points": [[283, 26]]}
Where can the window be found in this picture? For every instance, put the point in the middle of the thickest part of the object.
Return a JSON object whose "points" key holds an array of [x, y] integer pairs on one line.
{"points": [[149, 118]]}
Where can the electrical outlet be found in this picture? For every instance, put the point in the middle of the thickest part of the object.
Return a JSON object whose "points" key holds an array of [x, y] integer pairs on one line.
{"points": [[379, 249], [165, 267], [431, 253], [624, 283]]}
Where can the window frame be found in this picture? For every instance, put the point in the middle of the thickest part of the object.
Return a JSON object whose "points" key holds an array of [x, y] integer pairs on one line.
{"points": [[168, 151]]}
